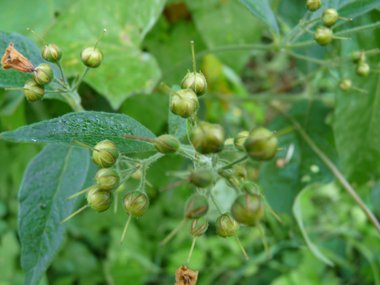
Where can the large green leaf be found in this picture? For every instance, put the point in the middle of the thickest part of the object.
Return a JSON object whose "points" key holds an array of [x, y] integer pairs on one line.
{"points": [[56, 173], [86, 127], [262, 10], [357, 132], [125, 70], [298, 216], [281, 185], [226, 24]]}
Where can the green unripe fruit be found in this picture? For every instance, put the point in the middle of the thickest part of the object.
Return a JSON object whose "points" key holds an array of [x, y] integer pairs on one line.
{"points": [[323, 35], [226, 226], [52, 53], [196, 207], [43, 74], [91, 56], [358, 56], [198, 227], [329, 17], [99, 200], [261, 144], [33, 91], [107, 179], [166, 144], [239, 140], [247, 209], [362, 69], [136, 203], [313, 5], [184, 105], [202, 178], [198, 79], [345, 84], [106, 155], [207, 138]]}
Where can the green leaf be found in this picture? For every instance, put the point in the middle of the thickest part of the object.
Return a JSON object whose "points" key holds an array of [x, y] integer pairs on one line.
{"points": [[298, 215], [56, 173], [357, 132], [375, 199], [12, 99], [221, 25], [17, 15], [86, 127], [177, 124], [125, 70], [262, 10], [348, 9], [281, 185]]}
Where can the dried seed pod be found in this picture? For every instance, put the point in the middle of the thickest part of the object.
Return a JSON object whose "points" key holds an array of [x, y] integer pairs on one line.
{"points": [[226, 226], [313, 5], [207, 138], [345, 84], [323, 35], [184, 103], [247, 209], [105, 154], [166, 144], [107, 179], [202, 177], [52, 53], [198, 227], [261, 144], [362, 69], [196, 207], [99, 200], [33, 91], [198, 79], [43, 74], [239, 140], [136, 203]]}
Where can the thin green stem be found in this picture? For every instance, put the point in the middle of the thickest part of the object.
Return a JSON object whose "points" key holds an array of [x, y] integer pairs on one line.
{"points": [[76, 85], [125, 228], [58, 63], [358, 29], [333, 75], [216, 204], [77, 194], [285, 131], [233, 185], [241, 246], [60, 83], [138, 138], [264, 240], [306, 58], [346, 185], [191, 251], [233, 162], [274, 214], [173, 232], [300, 45], [75, 213]]}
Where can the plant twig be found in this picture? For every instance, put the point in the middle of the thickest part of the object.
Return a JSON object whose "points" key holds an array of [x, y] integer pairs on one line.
{"points": [[346, 185]]}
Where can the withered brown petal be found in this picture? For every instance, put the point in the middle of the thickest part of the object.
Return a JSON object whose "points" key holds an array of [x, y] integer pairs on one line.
{"points": [[185, 276], [13, 59]]}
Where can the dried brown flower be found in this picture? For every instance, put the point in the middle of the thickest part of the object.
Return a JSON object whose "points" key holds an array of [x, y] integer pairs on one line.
{"points": [[185, 276], [13, 59]]}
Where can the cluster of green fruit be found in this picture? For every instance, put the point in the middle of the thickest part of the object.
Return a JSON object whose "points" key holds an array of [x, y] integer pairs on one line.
{"points": [[34, 89]]}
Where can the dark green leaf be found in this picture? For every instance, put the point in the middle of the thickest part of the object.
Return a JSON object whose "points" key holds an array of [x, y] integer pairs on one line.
{"points": [[357, 132], [125, 70], [262, 10], [221, 25], [298, 215], [56, 173], [281, 185], [86, 127], [375, 199], [12, 99], [177, 124]]}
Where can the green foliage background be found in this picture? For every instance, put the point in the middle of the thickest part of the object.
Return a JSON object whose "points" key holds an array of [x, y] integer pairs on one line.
{"points": [[148, 41]]}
